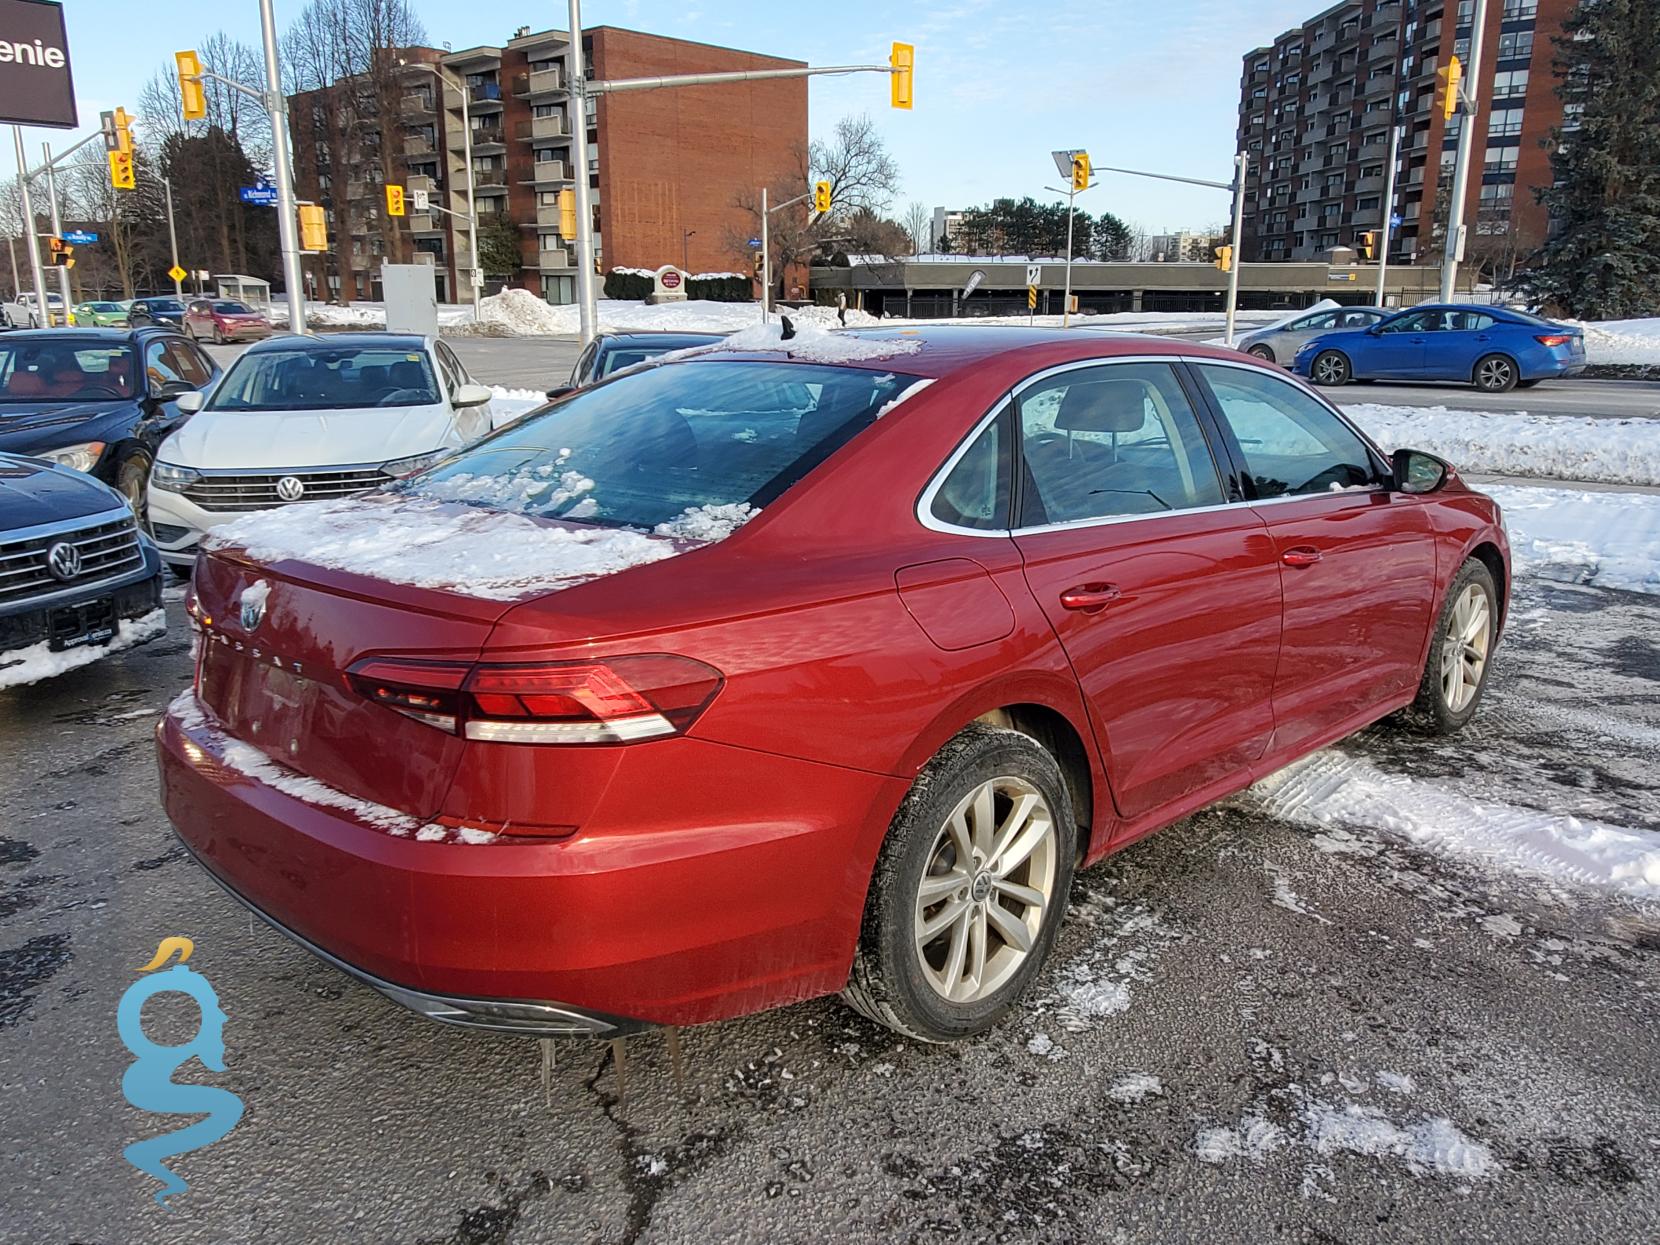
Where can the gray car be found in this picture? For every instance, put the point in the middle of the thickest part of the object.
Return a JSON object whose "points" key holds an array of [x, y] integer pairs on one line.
{"points": [[1279, 343]]}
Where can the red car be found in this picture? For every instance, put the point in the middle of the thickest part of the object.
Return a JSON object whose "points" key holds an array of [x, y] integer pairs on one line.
{"points": [[1006, 601], [224, 320]]}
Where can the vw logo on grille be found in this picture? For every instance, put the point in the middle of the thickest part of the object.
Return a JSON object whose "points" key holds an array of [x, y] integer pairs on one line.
{"points": [[63, 560], [290, 488]]}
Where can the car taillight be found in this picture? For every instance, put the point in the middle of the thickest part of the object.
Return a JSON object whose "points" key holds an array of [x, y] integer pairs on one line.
{"points": [[611, 701], [1554, 339]]}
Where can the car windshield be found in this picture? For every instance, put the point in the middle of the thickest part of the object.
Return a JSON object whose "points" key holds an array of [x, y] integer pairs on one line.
{"points": [[161, 304], [64, 371], [103, 307], [309, 378], [231, 309], [717, 438]]}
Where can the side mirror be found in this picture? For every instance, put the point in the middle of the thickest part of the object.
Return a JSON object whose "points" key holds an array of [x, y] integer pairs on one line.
{"points": [[1418, 472], [188, 402], [470, 395], [1372, 330], [559, 391]]}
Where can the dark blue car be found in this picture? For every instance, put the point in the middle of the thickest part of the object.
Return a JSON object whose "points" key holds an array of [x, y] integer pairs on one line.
{"points": [[1492, 348], [98, 400], [76, 573], [157, 309]]}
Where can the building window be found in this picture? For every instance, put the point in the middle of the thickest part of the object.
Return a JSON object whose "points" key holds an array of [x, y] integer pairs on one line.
{"points": [[1369, 204], [1509, 83], [1514, 10], [1500, 160], [1515, 45], [1508, 123], [1572, 115]]}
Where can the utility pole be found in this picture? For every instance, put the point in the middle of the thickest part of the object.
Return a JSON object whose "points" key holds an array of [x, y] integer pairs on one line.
{"points": [[1240, 162], [57, 231], [587, 311], [1466, 145], [467, 156], [288, 225], [766, 258], [42, 309], [1388, 207], [173, 238]]}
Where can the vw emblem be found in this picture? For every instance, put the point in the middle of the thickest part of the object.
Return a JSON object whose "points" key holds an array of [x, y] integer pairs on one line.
{"points": [[290, 488], [63, 560], [253, 613]]}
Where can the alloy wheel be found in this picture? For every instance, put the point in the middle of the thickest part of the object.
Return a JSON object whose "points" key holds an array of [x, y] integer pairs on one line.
{"points": [[986, 888], [1495, 374], [1331, 369], [1464, 648]]}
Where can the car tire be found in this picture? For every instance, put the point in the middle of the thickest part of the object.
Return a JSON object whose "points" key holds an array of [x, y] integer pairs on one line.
{"points": [[1460, 653], [219, 338], [1330, 368], [132, 481], [1265, 353], [923, 982], [1495, 373], [182, 573]]}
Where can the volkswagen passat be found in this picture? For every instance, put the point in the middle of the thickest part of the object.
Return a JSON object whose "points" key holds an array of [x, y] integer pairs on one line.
{"points": [[803, 666], [304, 419]]}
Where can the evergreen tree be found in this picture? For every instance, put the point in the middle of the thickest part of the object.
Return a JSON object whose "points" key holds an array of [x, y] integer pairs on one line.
{"points": [[1602, 261]]}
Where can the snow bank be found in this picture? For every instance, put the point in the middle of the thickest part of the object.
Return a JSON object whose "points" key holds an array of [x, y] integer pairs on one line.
{"points": [[38, 661], [1621, 341], [411, 540], [1611, 540], [1613, 451], [1330, 788], [811, 343]]}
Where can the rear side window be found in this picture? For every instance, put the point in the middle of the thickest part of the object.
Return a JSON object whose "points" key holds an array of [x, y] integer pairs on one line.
{"points": [[707, 435], [1292, 444], [1115, 440], [975, 492]]}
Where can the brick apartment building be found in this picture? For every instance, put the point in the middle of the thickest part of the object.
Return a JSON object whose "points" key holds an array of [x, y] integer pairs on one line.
{"points": [[1316, 108], [664, 166]]}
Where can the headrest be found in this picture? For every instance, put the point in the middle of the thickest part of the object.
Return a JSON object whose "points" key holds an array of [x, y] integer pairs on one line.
{"points": [[408, 375], [1116, 405], [26, 385]]}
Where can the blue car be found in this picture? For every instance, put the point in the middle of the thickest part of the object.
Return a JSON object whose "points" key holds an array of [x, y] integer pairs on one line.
{"points": [[1492, 348]]}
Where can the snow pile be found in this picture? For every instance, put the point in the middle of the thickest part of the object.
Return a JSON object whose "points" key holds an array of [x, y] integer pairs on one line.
{"points": [[38, 661], [812, 344], [518, 491], [507, 405], [410, 540], [708, 522], [524, 314], [1608, 539], [1330, 788], [1621, 341], [1613, 451]]}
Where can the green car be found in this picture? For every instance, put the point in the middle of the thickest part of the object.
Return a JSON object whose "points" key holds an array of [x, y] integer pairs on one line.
{"points": [[101, 315]]}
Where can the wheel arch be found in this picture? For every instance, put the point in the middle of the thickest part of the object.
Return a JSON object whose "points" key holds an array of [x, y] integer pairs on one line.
{"points": [[1489, 555], [1508, 356], [1061, 740]]}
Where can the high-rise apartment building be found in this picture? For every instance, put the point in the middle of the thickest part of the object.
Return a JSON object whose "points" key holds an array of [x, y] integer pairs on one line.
{"points": [[1315, 113], [665, 167]]}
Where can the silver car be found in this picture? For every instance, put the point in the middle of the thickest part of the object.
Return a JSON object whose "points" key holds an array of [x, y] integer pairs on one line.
{"points": [[1280, 343]]}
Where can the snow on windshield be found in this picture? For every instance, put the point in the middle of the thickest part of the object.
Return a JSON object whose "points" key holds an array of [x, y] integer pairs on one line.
{"points": [[810, 344], [707, 522]]}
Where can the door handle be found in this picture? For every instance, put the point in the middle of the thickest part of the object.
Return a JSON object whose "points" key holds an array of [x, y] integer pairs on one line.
{"points": [[1302, 555], [1090, 598], [1481, 337]]}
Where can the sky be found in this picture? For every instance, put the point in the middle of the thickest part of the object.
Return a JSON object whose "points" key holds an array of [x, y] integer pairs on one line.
{"points": [[999, 84]]}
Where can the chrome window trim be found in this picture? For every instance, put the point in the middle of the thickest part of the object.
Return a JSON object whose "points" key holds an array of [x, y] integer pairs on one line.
{"points": [[65, 525], [924, 506]]}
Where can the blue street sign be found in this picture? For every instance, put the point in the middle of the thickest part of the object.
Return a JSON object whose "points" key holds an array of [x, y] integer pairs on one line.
{"points": [[79, 237], [1395, 221], [265, 196], [754, 242]]}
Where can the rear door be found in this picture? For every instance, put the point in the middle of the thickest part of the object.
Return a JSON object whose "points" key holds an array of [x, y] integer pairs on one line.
{"points": [[1464, 337], [1165, 597], [1356, 559]]}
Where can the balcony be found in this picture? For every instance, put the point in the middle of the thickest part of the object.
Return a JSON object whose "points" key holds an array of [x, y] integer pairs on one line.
{"points": [[547, 216], [420, 182], [1368, 184], [542, 82], [417, 104], [424, 222], [483, 96], [553, 259], [549, 171], [487, 138], [541, 127], [417, 145]]}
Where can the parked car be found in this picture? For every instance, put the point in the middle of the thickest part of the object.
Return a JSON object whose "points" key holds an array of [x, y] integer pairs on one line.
{"points": [[224, 320], [76, 573], [156, 310], [101, 315], [523, 744], [611, 352], [1279, 343], [24, 311], [98, 400], [1492, 348], [306, 418]]}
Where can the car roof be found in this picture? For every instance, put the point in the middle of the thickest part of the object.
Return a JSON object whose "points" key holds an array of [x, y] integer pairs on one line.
{"points": [[124, 337], [340, 341]]}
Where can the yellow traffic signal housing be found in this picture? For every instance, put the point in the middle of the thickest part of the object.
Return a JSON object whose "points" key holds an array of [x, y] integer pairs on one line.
{"points": [[1368, 243], [63, 254], [1080, 171], [123, 132], [192, 99], [567, 215], [1447, 81], [1224, 258], [121, 170], [903, 60], [394, 200], [314, 228], [821, 197]]}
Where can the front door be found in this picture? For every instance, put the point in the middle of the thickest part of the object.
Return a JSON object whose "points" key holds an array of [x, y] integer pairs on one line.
{"points": [[1397, 348], [1165, 598], [1357, 560]]}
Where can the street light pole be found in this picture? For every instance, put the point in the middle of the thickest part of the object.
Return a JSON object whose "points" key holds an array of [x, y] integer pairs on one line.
{"points": [[1466, 146], [57, 230], [1240, 162], [587, 312], [766, 259], [173, 238], [1388, 207], [288, 226], [467, 157], [42, 309]]}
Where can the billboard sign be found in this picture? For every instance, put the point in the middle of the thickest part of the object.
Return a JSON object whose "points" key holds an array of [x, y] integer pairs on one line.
{"points": [[35, 83]]}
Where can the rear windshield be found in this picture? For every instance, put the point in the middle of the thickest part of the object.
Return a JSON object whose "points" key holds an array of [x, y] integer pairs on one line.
{"points": [[643, 449], [63, 371], [326, 380]]}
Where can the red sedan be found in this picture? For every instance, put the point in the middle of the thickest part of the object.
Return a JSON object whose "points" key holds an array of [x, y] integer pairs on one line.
{"points": [[770, 673], [224, 320]]}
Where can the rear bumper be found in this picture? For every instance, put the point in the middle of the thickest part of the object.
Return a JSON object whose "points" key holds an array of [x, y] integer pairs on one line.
{"points": [[718, 916]]}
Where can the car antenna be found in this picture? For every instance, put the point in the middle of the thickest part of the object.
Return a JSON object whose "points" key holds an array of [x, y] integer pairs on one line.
{"points": [[789, 328]]}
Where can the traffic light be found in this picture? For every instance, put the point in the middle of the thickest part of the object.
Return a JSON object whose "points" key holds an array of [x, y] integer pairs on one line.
{"points": [[121, 170], [821, 197], [314, 228], [192, 99], [394, 200], [567, 215], [903, 60], [1224, 258], [1368, 243], [1447, 80], [123, 132], [63, 255], [1080, 171]]}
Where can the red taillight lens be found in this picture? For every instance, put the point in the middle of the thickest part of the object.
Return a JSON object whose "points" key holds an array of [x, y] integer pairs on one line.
{"points": [[1554, 339], [617, 700]]}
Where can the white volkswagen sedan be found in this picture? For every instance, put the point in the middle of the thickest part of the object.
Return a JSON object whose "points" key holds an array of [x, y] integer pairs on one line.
{"points": [[299, 419]]}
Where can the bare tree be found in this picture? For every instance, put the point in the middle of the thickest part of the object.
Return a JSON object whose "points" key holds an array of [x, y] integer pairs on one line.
{"points": [[856, 163], [919, 224]]}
